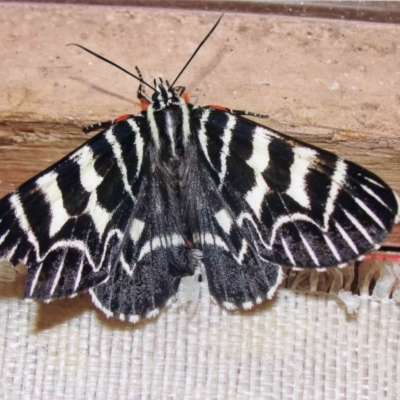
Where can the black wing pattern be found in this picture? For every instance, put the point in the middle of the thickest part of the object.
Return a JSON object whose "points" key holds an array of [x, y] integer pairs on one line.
{"points": [[153, 257], [236, 273], [75, 226], [130, 212], [276, 201], [120, 216]]}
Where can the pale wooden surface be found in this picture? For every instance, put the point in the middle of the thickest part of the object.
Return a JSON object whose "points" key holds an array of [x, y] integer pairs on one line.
{"points": [[294, 346], [335, 84]]}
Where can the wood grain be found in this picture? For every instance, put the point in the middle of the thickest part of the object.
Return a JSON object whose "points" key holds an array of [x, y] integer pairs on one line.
{"points": [[334, 84]]}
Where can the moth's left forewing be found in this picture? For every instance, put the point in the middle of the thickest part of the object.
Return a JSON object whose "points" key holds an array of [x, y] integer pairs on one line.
{"points": [[298, 205], [67, 223]]}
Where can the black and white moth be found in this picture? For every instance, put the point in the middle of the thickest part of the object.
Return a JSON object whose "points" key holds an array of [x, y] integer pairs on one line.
{"points": [[123, 215]]}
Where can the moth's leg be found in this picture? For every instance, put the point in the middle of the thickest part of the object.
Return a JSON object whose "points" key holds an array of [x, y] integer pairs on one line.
{"points": [[240, 113], [97, 126], [144, 99], [105, 125]]}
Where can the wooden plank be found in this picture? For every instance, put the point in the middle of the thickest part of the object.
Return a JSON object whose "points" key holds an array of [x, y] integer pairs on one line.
{"points": [[370, 11], [332, 83]]}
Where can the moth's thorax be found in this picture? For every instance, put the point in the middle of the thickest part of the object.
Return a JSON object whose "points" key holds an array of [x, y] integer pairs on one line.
{"points": [[168, 116], [167, 131]]}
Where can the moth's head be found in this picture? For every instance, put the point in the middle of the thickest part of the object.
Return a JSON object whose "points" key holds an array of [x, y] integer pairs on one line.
{"points": [[164, 95]]}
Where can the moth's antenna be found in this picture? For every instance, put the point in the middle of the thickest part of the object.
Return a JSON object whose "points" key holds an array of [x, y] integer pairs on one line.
{"points": [[139, 78], [198, 48]]}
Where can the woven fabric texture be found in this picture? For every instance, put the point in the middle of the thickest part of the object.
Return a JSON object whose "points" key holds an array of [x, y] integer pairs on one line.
{"points": [[298, 346]]}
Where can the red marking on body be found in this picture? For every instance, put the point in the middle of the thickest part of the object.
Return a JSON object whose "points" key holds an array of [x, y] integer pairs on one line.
{"points": [[216, 107], [121, 118], [143, 103], [185, 96]]}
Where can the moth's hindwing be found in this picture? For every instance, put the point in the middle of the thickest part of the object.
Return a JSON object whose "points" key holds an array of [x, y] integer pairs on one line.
{"points": [[153, 257]]}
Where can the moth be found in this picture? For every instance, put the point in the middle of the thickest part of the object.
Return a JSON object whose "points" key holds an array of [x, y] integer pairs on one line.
{"points": [[137, 207]]}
